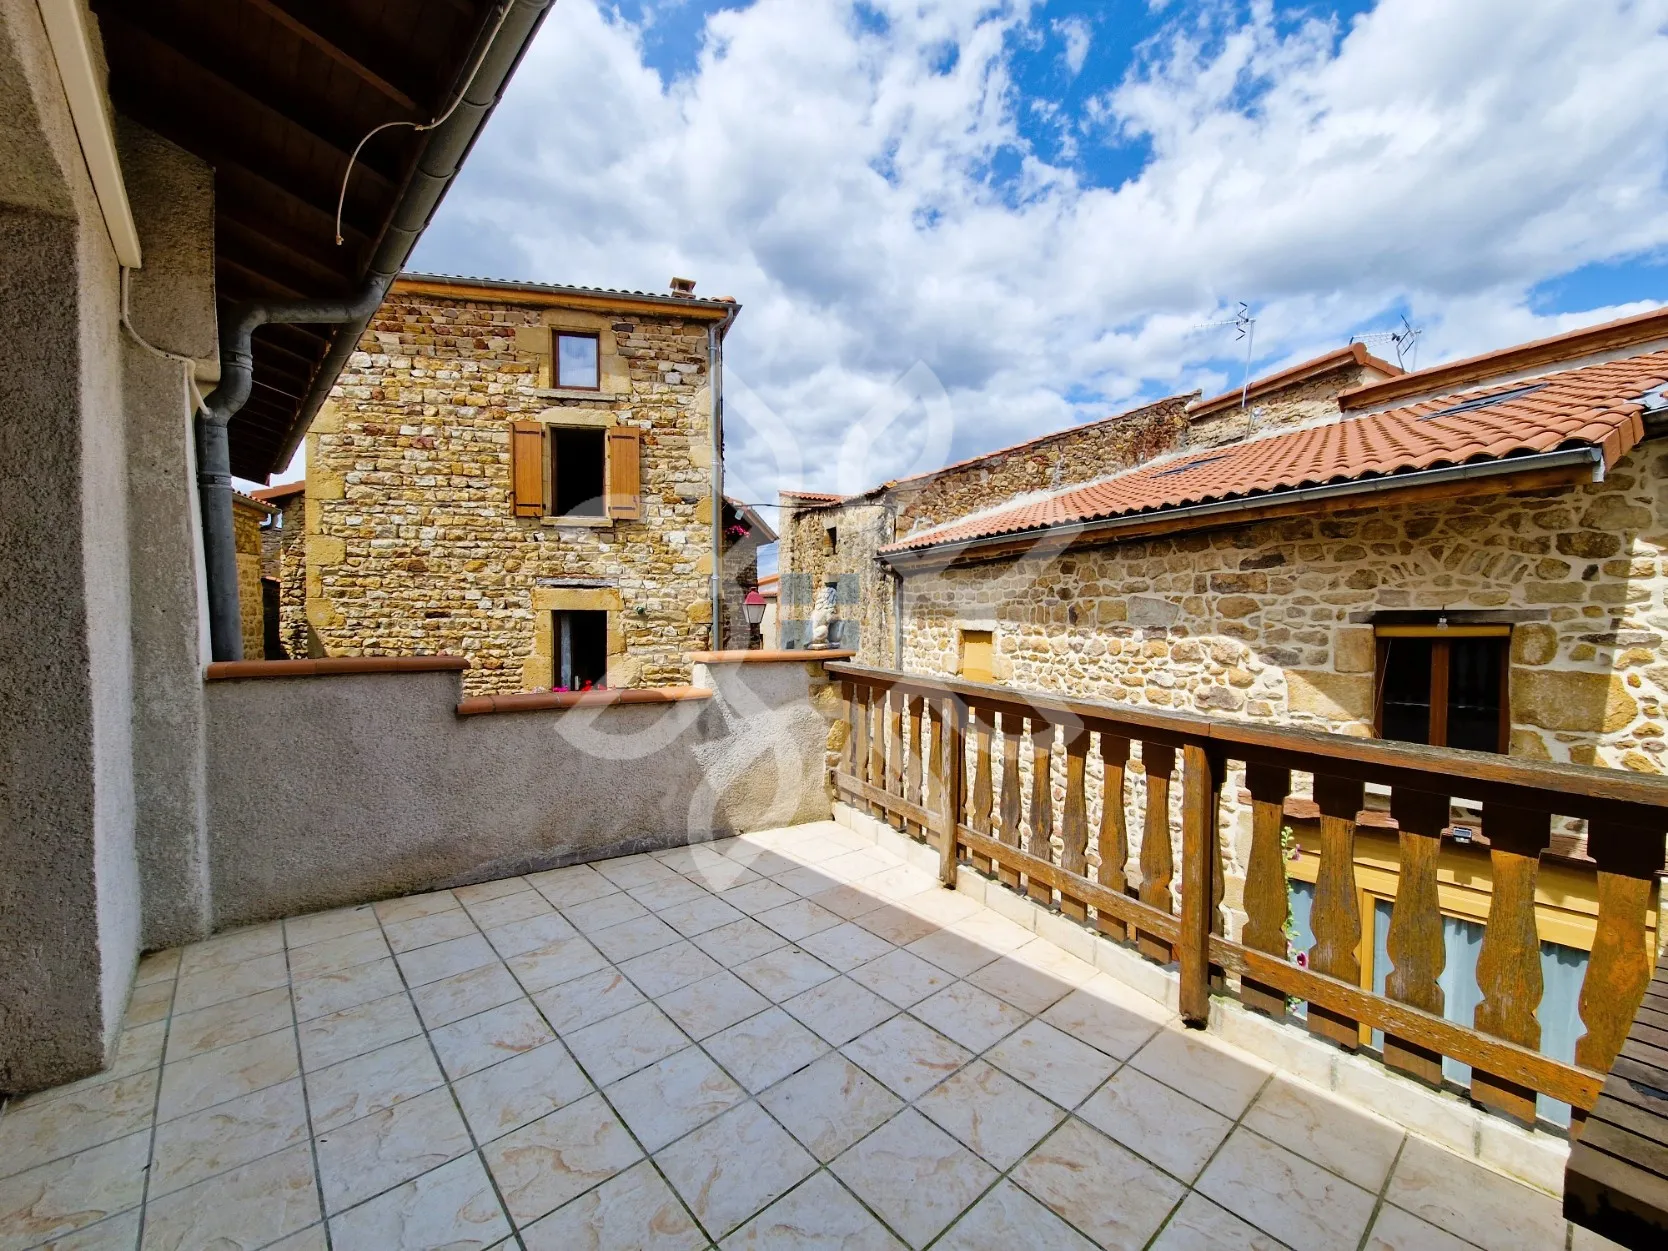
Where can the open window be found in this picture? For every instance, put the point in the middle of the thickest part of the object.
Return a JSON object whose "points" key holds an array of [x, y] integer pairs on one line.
{"points": [[581, 649], [1444, 685], [578, 471], [576, 362], [583, 472]]}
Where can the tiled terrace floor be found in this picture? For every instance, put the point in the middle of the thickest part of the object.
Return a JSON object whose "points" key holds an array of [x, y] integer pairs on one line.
{"points": [[786, 1040]]}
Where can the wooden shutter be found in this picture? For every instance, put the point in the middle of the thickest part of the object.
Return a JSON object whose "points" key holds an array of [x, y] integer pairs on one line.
{"points": [[527, 468], [625, 497]]}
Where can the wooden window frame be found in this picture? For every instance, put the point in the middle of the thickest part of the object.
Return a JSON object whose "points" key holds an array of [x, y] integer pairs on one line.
{"points": [[557, 334], [1440, 636]]}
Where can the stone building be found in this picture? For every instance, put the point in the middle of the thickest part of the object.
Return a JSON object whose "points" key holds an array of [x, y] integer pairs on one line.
{"points": [[250, 516], [525, 475]]}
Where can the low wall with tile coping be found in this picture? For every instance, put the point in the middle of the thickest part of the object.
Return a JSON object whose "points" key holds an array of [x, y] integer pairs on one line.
{"points": [[1531, 1156], [328, 790]]}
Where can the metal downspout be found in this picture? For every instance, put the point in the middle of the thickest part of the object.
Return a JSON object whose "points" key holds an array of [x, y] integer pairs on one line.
{"points": [[715, 381]]}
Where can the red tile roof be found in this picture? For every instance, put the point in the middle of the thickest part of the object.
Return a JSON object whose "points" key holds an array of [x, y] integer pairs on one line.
{"points": [[1595, 406], [277, 494]]}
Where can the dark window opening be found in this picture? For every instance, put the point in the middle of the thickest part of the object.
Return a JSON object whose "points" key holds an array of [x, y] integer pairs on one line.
{"points": [[272, 634], [833, 533], [578, 460], [1443, 690], [577, 362], [581, 650]]}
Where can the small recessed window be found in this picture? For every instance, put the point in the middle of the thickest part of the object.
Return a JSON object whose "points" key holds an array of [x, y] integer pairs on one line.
{"points": [[1445, 687], [578, 462], [978, 652], [581, 638], [832, 533], [577, 363]]}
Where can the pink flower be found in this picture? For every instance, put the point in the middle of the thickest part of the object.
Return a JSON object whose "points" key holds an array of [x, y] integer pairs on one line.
{"points": [[1301, 959]]}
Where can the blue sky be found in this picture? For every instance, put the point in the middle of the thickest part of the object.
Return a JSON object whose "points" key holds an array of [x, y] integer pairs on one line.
{"points": [[956, 224]]}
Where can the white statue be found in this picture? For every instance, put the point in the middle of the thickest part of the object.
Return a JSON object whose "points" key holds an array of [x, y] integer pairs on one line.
{"points": [[822, 616]]}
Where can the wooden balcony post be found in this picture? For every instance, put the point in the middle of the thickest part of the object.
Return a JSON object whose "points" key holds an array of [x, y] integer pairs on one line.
{"points": [[877, 749], [894, 748], [1158, 861], [848, 758], [1415, 943], [1013, 727], [955, 794], [860, 734], [912, 763], [932, 758], [1267, 897], [1201, 852], [1336, 919], [1619, 968], [1041, 842], [1074, 821], [983, 792], [1113, 841], [1509, 963]]}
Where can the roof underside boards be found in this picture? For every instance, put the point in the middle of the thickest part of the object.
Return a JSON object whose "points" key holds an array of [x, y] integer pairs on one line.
{"points": [[274, 94], [1596, 406]]}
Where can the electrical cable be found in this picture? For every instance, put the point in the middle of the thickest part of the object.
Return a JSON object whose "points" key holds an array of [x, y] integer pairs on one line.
{"points": [[197, 404], [468, 82]]}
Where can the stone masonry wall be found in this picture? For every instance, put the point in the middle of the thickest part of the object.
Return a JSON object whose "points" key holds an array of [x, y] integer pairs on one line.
{"points": [[863, 589], [246, 538], [1311, 400], [412, 545]]}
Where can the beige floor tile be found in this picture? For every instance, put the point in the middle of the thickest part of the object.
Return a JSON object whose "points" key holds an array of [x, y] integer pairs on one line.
{"points": [[1105, 1192], [234, 1021], [481, 1041], [758, 896], [991, 1113], [994, 932], [458, 955], [626, 1042], [944, 907], [806, 879], [897, 925], [318, 927], [159, 966], [972, 1017], [957, 954], [909, 1057], [603, 911], [1108, 1017], [520, 1090], [1051, 1063], [633, 938], [377, 1152], [453, 1206], [665, 1101], [507, 909], [783, 973], [839, 1010], [718, 874], [233, 948], [369, 1083], [856, 866], [332, 992], [830, 1104], [1200, 1225], [571, 1006], [1156, 1122], [543, 1165], [215, 1076], [335, 954], [1467, 1199], [68, 1194], [902, 977], [698, 916], [818, 1214], [715, 1003], [438, 927], [149, 1003], [795, 920], [117, 1233], [900, 884], [464, 994], [1280, 1192], [734, 1166], [636, 1209], [328, 1040], [845, 946], [661, 972], [847, 901], [739, 942], [483, 892], [576, 884], [559, 961], [917, 1177], [1396, 1230], [629, 871], [227, 1135], [1326, 1131], [519, 937], [1208, 1071], [1007, 1219], [249, 1207], [763, 1049], [389, 911], [216, 985], [661, 896], [310, 1239], [137, 1049], [40, 1131]]}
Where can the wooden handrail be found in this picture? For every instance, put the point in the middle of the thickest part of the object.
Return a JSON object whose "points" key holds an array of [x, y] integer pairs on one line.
{"points": [[908, 762]]}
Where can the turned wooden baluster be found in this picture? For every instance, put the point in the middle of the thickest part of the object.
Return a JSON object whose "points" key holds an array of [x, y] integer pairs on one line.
{"points": [[1336, 918], [1619, 968], [955, 790], [1415, 944], [848, 758], [983, 793], [1074, 822], [1013, 729], [1113, 841], [894, 749], [1509, 963], [1041, 843], [1158, 866], [912, 764], [1201, 867], [877, 750], [1267, 897], [860, 739], [932, 751]]}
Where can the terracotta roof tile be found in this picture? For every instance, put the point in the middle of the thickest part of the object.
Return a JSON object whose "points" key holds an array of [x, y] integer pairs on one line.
{"points": [[1596, 406]]}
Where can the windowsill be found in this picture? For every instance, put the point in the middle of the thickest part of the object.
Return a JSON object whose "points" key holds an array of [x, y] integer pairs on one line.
{"points": [[578, 523], [573, 393], [542, 701]]}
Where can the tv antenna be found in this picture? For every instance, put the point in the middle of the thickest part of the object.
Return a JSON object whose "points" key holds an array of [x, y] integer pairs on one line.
{"points": [[1246, 326], [1405, 341]]}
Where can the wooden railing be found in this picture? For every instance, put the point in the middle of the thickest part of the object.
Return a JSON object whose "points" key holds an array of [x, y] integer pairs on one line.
{"points": [[907, 760]]}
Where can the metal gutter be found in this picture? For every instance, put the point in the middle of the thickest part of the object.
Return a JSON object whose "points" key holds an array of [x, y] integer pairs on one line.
{"points": [[1056, 536]]}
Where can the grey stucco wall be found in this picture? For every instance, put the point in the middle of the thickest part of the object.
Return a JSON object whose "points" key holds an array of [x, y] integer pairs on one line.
{"points": [[333, 790]]}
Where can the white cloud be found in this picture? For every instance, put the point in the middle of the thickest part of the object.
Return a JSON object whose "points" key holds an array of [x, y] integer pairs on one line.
{"points": [[836, 179], [1074, 31]]}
